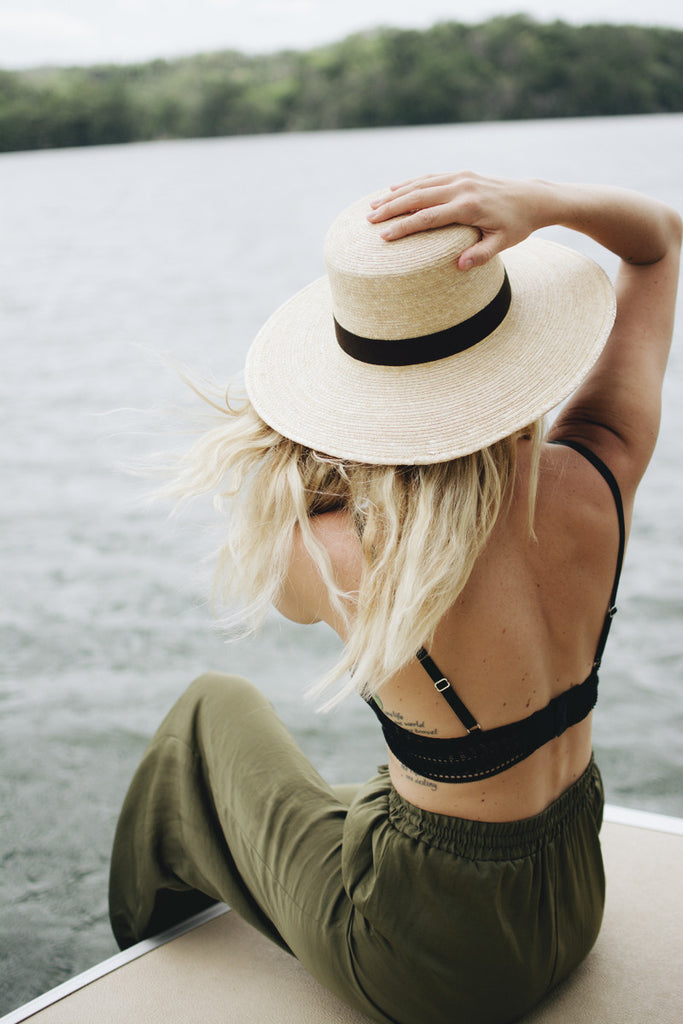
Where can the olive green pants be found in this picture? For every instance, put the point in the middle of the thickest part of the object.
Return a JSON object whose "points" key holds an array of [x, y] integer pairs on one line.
{"points": [[409, 916]]}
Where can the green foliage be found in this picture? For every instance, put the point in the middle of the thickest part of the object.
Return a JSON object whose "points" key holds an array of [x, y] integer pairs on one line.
{"points": [[505, 68]]}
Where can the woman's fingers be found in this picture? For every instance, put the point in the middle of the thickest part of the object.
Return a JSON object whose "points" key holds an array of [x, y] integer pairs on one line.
{"points": [[488, 246], [430, 201], [417, 210], [405, 200], [504, 212], [412, 223], [424, 191], [430, 181]]}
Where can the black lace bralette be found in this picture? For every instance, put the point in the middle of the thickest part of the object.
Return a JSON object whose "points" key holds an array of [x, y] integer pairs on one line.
{"points": [[485, 752]]}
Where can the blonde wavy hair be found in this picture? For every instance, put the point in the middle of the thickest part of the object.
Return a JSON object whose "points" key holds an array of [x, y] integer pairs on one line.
{"points": [[421, 529]]}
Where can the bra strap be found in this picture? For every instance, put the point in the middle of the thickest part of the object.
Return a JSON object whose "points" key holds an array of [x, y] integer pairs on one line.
{"points": [[609, 478], [442, 684], [447, 692]]}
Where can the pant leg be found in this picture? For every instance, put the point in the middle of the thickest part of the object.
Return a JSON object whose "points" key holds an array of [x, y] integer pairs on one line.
{"points": [[224, 806]]}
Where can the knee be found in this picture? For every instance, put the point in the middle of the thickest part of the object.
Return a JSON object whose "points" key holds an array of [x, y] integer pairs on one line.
{"points": [[216, 689], [211, 702]]}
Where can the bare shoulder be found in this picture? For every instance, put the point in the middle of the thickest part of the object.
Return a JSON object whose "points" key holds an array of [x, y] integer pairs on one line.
{"points": [[305, 596], [610, 449], [574, 498]]}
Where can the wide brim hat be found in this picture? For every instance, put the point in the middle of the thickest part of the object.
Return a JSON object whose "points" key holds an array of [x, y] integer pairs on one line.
{"points": [[397, 357]]}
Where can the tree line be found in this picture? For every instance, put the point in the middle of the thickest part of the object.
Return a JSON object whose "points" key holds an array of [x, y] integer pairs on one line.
{"points": [[505, 68]]}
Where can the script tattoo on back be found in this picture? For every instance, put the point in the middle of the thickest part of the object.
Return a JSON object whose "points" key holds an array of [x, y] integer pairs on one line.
{"points": [[416, 726], [417, 779]]}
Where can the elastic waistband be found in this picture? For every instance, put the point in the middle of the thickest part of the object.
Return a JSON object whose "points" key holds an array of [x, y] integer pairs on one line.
{"points": [[501, 840]]}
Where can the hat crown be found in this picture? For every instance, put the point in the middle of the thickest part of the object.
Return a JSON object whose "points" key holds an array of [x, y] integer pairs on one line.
{"points": [[407, 288]]}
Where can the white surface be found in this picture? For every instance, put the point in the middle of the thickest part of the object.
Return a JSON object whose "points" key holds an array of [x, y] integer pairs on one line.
{"points": [[215, 969]]}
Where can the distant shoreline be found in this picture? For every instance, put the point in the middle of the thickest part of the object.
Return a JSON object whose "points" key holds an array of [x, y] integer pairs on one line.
{"points": [[505, 68]]}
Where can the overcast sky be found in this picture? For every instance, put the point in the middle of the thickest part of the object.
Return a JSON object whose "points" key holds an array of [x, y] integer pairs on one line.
{"points": [[36, 32]]}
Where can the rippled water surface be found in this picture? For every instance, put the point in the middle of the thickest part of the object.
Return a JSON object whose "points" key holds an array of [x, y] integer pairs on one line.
{"points": [[110, 255]]}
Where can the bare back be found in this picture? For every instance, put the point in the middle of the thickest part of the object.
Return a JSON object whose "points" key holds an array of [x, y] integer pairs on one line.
{"points": [[524, 630]]}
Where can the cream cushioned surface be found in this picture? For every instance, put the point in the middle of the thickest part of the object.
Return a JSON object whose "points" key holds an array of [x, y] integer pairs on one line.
{"points": [[224, 972]]}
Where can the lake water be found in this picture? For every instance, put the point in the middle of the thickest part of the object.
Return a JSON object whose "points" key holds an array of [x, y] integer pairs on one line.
{"points": [[112, 255]]}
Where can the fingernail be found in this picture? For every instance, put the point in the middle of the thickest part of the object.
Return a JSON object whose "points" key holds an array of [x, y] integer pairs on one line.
{"points": [[468, 264]]}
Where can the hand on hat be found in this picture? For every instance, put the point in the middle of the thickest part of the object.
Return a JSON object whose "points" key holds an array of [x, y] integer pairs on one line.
{"points": [[504, 211]]}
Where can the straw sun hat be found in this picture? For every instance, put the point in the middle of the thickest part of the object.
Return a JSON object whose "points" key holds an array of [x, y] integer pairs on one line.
{"points": [[397, 357]]}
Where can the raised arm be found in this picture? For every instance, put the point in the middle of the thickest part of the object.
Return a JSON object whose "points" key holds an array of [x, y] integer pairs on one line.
{"points": [[617, 409]]}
